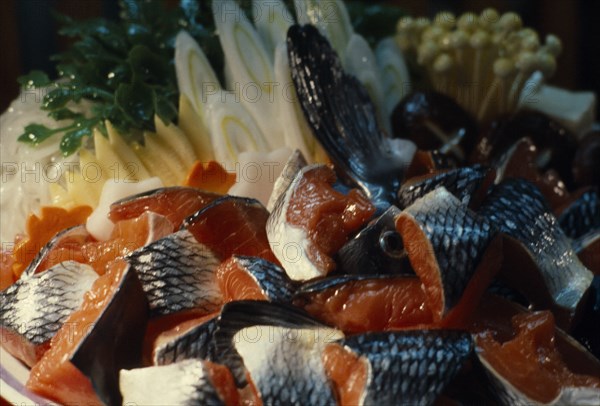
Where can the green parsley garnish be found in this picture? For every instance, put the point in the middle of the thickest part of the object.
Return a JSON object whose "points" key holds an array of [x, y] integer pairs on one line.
{"points": [[124, 68]]}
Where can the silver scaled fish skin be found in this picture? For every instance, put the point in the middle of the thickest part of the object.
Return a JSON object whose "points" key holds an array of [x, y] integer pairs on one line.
{"points": [[409, 367], [518, 209], [177, 273], [36, 306]]}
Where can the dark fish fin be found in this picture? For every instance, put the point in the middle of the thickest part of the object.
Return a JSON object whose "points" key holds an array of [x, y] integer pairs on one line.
{"points": [[320, 284], [342, 116], [468, 184], [238, 315], [115, 340]]}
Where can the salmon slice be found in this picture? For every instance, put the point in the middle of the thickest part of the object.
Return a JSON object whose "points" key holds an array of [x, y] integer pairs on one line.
{"points": [[30, 315], [187, 340], [280, 348], [176, 203], [386, 368], [253, 278], [177, 273], [232, 226], [117, 310], [361, 304], [126, 237], [160, 324], [311, 221], [64, 246], [445, 242], [529, 366]]}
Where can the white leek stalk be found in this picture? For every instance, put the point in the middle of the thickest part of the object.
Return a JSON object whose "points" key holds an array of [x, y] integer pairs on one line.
{"points": [[233, 129], [195, 76], [250, 66], [272, 20]]}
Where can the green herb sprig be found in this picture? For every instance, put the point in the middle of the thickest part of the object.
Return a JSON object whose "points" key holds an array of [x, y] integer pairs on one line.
{"points": [[124, 68]]}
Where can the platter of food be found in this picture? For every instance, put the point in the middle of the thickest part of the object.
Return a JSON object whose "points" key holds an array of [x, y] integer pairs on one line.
{"points": [[215, 203]]}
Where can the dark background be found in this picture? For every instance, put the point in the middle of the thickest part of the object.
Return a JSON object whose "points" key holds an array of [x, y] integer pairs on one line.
{"points": [[28, 33]]}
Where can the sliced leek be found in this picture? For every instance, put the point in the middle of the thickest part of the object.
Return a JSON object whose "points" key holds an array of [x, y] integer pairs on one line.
{"points": [[250, 67], [195, 129], [195, 76], [394, 73], [360, 61], [330, 17], [272, 20], [233, 129]]}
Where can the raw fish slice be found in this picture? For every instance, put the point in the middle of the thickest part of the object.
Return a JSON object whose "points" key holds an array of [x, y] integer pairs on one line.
{"points": [[343, 118], [582, 215], [376, 250], [254, 278], [468, 184], [409, 367], [293, 165], [97, 340], [230, 226], [311, 221], [280, 347], [529, 361], [445, 242], [69, 240], [176, 203], [517, 208], [191, 339], [177, 273], [189, 382], [34, 308], [361, 303]]}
